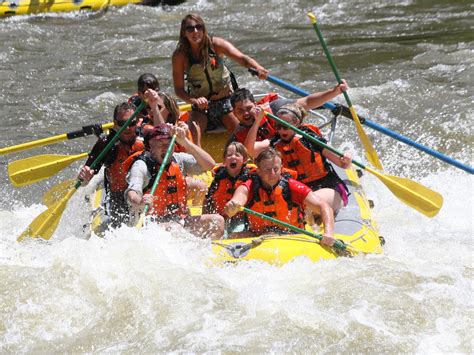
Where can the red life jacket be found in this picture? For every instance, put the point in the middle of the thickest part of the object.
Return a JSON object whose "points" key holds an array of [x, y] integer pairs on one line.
{"points": [[278, 204], [223, 187], [117, 166], [266, 129]]}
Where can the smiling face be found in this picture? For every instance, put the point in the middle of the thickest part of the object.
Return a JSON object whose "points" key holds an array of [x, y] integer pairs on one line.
{"points": [[233, 161], [242, 112], [194, 31], [286, 134]]}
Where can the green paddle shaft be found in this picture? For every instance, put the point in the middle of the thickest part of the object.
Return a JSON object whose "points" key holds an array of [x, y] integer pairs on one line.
{"points": [[160, 172], [337, 244], [372, 155], [311, 138], [46, 223], [109, 145], [329, 57]]}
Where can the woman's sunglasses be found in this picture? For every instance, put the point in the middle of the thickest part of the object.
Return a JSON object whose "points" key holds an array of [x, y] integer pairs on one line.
{"points": [[191, 29], [132, 123]]}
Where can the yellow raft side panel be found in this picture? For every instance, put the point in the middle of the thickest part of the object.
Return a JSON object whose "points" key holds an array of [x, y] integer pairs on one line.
{"points": [[280, 249], [28, 7]]}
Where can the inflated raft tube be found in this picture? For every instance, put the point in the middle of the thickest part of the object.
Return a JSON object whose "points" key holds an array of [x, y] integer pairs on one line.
{"points": [[29, 7]]}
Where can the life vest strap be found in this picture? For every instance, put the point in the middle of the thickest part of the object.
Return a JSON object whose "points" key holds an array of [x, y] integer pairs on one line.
{"points": [[294, 163], [172, 189]]}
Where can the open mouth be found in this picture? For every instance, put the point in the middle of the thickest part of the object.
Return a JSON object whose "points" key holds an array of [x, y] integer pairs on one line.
{"points": [[233, 165]]}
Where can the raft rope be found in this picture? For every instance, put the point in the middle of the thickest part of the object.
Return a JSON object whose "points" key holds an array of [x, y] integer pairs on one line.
{"points": [[238, 250]]}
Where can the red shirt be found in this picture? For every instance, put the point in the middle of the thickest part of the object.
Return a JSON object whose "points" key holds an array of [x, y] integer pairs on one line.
{"points": [[298, 190]]}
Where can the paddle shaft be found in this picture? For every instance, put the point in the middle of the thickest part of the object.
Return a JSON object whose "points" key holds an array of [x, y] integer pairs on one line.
{"points": [[111, 143], [415, 195], [311, 138], [337, 244], [330, 60], [85, 131], [370, 152], [160, 172], [346, 113]]}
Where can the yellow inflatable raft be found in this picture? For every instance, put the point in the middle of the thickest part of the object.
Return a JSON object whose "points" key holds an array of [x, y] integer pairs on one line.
{"points": [[353, 224], [30, 7]]}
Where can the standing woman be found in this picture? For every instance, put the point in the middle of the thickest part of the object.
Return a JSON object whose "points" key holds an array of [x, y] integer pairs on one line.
{"points": [[199, 59]]}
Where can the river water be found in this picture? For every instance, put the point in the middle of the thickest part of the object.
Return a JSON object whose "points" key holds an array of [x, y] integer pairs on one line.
{"points": [[410, 68]]}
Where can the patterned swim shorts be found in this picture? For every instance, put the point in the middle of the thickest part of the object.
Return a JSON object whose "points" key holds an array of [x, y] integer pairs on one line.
{"points": [[216, 109]]}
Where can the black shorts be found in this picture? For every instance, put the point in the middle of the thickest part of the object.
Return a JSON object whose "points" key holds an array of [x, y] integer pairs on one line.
{"points": [[216, 109], [331, 181]]}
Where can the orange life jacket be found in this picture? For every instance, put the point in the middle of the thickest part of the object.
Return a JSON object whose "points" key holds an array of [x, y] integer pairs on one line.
{"points": [[223, 187], [171, 189], [310, 165], [117, 166], [266, 129], [278, 205]]}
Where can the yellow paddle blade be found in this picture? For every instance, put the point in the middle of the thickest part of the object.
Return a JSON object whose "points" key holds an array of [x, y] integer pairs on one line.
{"points": [[46, 223], [370, 152], [413, 194], [57, 192], [33, 169], [141, 221]]}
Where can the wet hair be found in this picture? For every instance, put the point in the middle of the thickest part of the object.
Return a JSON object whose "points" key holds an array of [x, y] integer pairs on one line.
{"points": [[185, 47], [239, 148], [123, 107], [147, 81], [241, 94], [295, 110], [267, 154], [171, 106]]}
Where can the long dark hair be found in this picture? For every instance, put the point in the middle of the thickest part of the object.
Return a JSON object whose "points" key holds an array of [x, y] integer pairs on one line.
{"points": [[185, 47], [171, 106]]}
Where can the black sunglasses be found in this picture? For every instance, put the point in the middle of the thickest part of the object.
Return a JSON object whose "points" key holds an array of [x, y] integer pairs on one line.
{"points": [[191, 29], [280, 126], [132, 123]]}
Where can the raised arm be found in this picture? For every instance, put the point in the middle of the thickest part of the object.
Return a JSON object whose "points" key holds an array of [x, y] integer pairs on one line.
{"points": [[317, 99], [225, 47], [155, 102], [203, 158], [254, 147]]}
